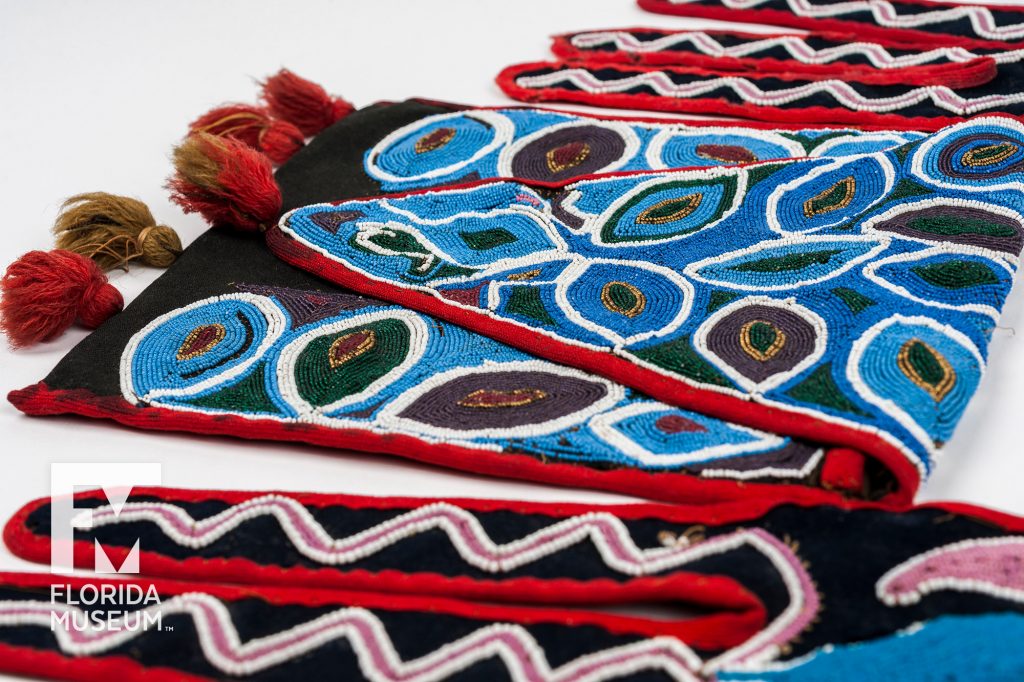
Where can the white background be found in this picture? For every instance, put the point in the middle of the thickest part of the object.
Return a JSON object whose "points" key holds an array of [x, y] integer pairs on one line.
{"points": [[94, 94]]}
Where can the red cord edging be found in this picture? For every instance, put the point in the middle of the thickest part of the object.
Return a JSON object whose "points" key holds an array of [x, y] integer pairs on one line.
{"points": [[862, 29], [506, 80], [40, 399], [741, 613], [967, 74]]}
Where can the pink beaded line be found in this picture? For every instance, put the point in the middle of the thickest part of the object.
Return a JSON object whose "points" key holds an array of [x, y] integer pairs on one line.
{"points": [[607, 533]]}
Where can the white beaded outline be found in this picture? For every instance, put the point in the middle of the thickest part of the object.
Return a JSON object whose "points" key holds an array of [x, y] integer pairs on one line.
{"points": [[793, 187], [503, 128], [390, 416], [868, 225], [947, 583], [603, 425], [284, 370], [887, 405], [880, 241], [664, 136], [593, 224], [1012, 125], [629, 137], [870, 271], [277, 324], [700, 342]]}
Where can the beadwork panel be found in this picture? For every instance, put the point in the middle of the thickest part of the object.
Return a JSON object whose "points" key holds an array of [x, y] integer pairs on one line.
{"points": [[858, 291]]}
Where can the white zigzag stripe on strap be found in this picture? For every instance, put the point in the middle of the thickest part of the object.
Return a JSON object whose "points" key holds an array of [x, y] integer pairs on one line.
{"points": [[607, 532], [378, 661], [879, 56], [749, 92], [982, 21]]}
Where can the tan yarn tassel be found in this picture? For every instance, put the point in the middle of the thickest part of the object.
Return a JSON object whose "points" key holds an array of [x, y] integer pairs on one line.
{"points": [[113, 230]]}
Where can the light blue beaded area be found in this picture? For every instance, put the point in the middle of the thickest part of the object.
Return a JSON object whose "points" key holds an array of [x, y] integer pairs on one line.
{"points": [[542, 145], [859, 290]]}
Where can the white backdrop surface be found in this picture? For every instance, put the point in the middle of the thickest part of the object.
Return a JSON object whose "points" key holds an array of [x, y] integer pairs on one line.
{"points": [[95, 94]]}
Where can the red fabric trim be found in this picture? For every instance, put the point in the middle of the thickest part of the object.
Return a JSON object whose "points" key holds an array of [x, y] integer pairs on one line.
{"points": [[715, 630], [670, 390], [954, 75], [695, 122], [39, 400], [26, 660], [741, 612], [733, 512], [843, 470], [53, 665], [815, 114], [863, 29]]}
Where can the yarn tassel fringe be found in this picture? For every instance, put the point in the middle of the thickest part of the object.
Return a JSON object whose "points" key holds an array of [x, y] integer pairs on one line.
{"points": [[226, 181], [44, 292], [303, 103], [113, 230], [254, 126]]}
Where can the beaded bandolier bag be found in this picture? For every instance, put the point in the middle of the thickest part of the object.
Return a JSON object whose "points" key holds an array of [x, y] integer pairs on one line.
{"points": [[774, 325]]}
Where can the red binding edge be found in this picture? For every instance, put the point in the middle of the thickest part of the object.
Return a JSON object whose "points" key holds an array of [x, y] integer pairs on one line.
{"points": [[55, 665], [681, 120], [863, 29], [506, 80], [39, 399], [954, 75], [714, 630], [741, 613]]}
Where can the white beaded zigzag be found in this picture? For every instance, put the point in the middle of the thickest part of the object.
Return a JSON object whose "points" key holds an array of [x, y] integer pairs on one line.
{"points": [[378, 660], [662, 84], [885, 14], [797, 48], [608, 534]]}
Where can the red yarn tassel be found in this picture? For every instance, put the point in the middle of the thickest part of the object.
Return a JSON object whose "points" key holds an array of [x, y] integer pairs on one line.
{"points": [[303, 103], [225, 181], [44, 292], [278, 139]]}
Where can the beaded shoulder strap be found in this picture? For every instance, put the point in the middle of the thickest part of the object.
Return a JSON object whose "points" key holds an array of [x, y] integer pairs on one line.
{"points": [[776, 583], [819, 55], [913, 21], [771, 97]]}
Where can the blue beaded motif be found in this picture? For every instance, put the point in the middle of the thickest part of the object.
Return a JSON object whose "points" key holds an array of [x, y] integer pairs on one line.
{"points": [[430, 379], [837, 274], [483, 143]]}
